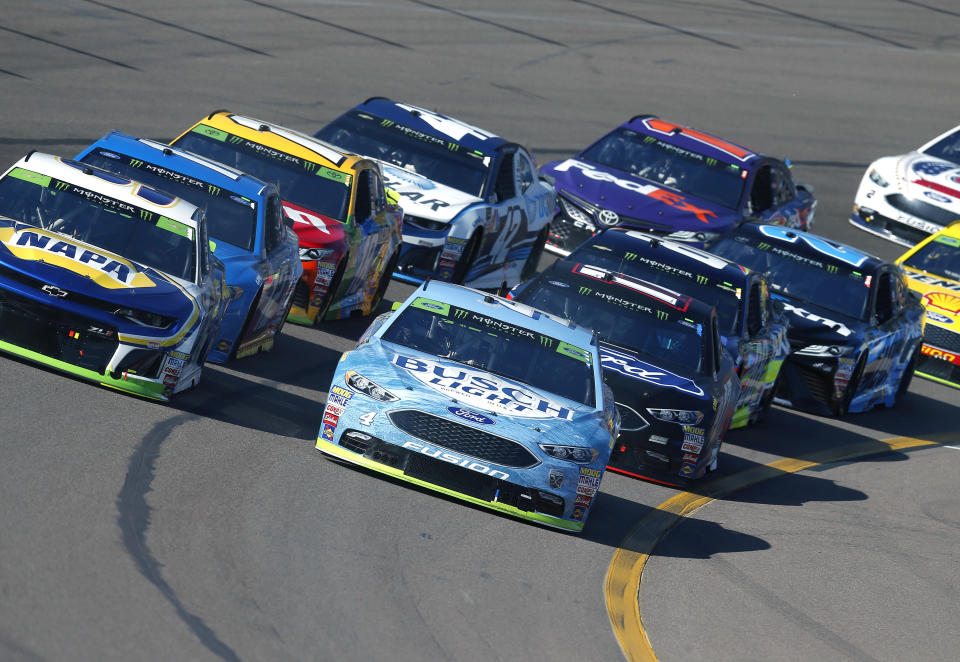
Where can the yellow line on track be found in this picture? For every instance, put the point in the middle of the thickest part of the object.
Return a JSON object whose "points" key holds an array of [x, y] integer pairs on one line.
{"points": [[622, 586]]}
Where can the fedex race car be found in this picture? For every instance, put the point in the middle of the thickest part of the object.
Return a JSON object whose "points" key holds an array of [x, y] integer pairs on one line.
{"points": [[105, 278], [661, 352], [752, 329], [672, 180], [932, 268], [475, 211], [479, 398], [907, 198], [855, 329], [245, 222], [349, 230]]}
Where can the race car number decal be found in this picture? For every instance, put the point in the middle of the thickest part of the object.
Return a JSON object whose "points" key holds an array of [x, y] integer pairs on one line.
{"points": [[846, 255]]}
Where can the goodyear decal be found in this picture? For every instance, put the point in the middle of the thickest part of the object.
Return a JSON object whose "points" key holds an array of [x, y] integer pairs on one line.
{"points": [[631, 366], [105, 269]]}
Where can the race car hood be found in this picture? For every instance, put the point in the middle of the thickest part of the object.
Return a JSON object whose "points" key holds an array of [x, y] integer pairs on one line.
{"points": [[815, 325], [941, 297], [42, 258], [634, 197], [628, 373], [424, 197], [930, 179], [314, 230], [511, 409]]}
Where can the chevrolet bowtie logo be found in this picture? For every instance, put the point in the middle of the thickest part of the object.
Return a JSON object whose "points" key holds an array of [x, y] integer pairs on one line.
{"points": [[54, 291]]}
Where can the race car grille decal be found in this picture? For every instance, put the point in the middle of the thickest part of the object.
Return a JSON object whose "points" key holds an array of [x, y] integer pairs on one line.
{"points": [[816, 384], [941, 338], [922, 209], [55, 333], [463, 439], [75, 297]]}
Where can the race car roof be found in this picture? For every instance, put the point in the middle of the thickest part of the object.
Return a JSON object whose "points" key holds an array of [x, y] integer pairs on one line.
{"points": [[109, 185], [434, 123], [279, 138], [694, 140], [814, 247], [188, 163]]}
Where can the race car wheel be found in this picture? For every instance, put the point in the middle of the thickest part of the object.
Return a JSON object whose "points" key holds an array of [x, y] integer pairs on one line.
{"points": [[536, 252], [332, 291], [466, 260], [907, 375], [384, 282], [852, 386], [283, 320], [768, 398]]}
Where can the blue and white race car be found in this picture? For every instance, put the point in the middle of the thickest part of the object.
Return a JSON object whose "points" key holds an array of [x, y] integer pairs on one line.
{"points": [[480, 398], [245, 221], [475, 211]]}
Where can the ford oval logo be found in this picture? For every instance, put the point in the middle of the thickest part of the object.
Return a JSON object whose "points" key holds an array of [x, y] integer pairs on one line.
{"points": [[471, 416]]}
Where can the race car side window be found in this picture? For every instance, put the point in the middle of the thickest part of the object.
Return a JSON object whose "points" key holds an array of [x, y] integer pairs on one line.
{"points": [[885, 295], [505, 184], [761, 195], [717, 345], [526, 174], [782, 191], [273, 228], [755, 311], [364, 207], [379, 193], [203, 242]]}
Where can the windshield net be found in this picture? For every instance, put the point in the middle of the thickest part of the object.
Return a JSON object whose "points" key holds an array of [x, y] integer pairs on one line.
{"points": [[440, 160], [132, 232], [304, 183], [680, 169], [485, 343], [940, 257]]}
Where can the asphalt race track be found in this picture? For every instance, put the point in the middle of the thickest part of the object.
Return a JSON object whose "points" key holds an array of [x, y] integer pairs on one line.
{"points": [[210, 529]]}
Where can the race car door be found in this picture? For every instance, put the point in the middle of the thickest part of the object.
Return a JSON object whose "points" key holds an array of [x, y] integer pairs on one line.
{"points": [[369, 209], [773, 198], [886, 339]]}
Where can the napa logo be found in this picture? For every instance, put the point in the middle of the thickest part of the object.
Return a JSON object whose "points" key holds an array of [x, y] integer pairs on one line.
{"points": [[104, 269]]}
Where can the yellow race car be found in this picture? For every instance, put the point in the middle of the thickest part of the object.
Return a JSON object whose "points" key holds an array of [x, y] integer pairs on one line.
{"points": [[933, 269], [348, 225]]}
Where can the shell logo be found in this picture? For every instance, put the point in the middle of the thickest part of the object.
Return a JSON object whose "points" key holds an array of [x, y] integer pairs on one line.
{"points": [[943, 301]]}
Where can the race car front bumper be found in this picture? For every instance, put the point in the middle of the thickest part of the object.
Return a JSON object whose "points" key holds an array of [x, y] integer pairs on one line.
{"points": [[940, 356], [897, 221]]}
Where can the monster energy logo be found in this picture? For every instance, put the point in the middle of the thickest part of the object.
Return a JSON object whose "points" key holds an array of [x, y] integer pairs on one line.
{"points": [[629, 256], [136, 163], [146, 215], [649, 139], [662, 315], [453, 147], [763, 245], [386, 122], [546, 342], [702, 280], [585, 291], [711, 161], [309, 166], [215, 190], [459, 313], [236, 139], [62, 186], [832, 269]]}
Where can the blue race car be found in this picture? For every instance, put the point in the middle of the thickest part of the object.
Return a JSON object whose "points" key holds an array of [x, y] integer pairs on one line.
{"points": [[475, 211], [661, 177], [479, 398], [105, 278], [855, 327], [246, 223]]}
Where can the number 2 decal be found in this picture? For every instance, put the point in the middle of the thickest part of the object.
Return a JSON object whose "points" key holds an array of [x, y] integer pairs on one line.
{"points": [[516, 218]]}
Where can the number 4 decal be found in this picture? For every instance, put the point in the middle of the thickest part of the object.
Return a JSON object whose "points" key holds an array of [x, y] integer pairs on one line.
{"points": [[367, 419]]}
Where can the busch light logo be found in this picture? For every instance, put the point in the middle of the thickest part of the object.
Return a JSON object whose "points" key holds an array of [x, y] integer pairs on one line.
{"points": [[471, 416], [931, 168], [481, 389], [631, 366]]}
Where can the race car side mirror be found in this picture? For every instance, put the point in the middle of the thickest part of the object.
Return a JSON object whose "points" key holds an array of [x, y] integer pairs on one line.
{"points": [[288, 221]]}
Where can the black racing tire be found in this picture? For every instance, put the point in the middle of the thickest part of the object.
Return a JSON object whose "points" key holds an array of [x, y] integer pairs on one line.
{"points": [[283, 320], [466, 260], [852, 386], [384, 281], [767, 401], [536, 252], [332, 290], [907, 375]]}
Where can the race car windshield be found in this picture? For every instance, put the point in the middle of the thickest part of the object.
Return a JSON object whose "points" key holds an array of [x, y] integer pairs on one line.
{"points": [[230, 218], [298, 181], [836, 287], [680, 169], [947, 148], [720, 295], [486, 343], [439, 160], [132, 232], [678, 342], [940, 257]]}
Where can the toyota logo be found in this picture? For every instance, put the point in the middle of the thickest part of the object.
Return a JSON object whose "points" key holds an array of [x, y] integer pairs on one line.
{"points": [[54, 291], [608, 218]]}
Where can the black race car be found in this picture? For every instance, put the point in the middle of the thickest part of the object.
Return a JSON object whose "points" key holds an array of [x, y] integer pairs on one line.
{"points": [[855, 328], [674, 384]]}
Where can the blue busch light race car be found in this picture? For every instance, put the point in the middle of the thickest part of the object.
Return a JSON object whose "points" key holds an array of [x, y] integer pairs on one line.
{"points": [[855, 327], [675, 385], [245, 220], [475, 211], [479, 398], [752, 329], [672, 180], [106, 278]]}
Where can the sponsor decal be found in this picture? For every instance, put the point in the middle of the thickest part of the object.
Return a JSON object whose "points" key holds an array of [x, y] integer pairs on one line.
{"points": [[687, 469], [327, 432], [933, 280], [577, 513], [331, 419], [336, 410], [586, 490], [937, 197], [555, 479], [691, 457], [582, 500], [943, 301], [170, 380], [692, 447], [339, 396], [481, 389], [931, 168], [840, 253], [937, 317], [471, 416], [933, 352], [631, 366], [175, 362], [839, 327], [558, 283], [454, 458], [693, 430], [657, 439]]}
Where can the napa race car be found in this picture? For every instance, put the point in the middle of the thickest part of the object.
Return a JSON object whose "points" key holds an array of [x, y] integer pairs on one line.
{"points": [[479, 398], [106, 278], [675, 386], [349, 229], [855, 328], [672, 180], [907, 198], [752, 329], [475, 211], [245, 222], [932, 268]]}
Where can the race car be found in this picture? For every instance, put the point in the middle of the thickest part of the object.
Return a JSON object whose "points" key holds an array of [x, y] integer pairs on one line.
{"points": [[671, 180], [245, 221], [675, 386], [855, 328], [752, 330], [475, 211], [349, 230], [479, 398], [932, 268], [106, 278], [907, 198]]}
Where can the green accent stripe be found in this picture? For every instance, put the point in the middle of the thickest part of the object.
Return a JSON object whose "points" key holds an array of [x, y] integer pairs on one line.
{"points": [[574, 352], [773, 369], [740, 417], [176, 227], [334, 175], [432, 306], [210, 132], [343, 454], [937, 379], [30, 176]]}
